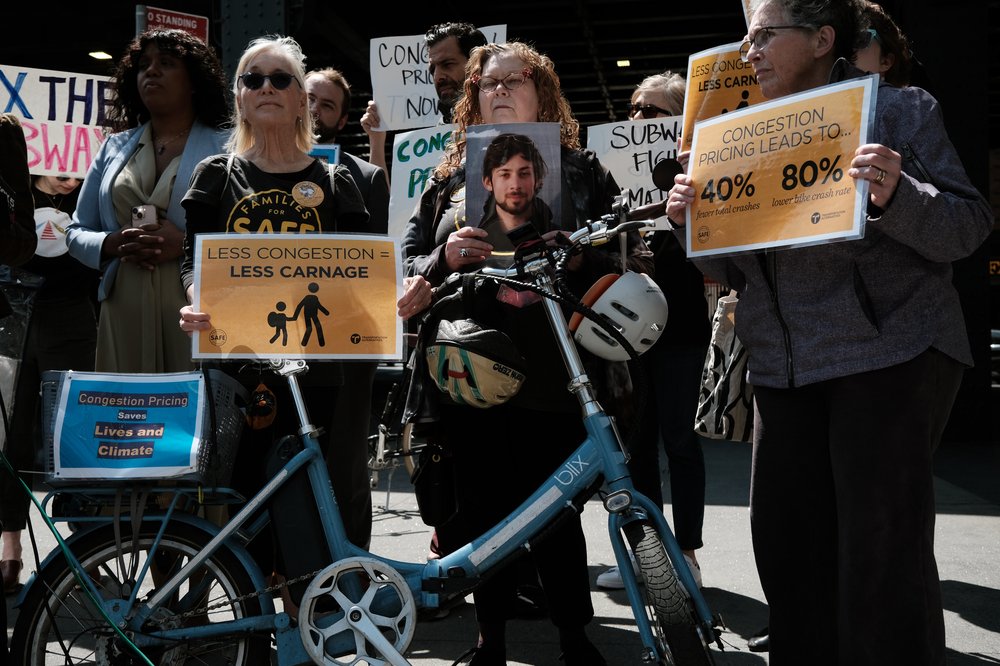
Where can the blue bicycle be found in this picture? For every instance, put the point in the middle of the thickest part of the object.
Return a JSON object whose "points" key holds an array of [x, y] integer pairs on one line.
{"points": [[154, 583]]}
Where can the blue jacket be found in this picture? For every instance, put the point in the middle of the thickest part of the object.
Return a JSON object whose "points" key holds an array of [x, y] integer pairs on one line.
{"points": [[95, 217], [816, 313]]}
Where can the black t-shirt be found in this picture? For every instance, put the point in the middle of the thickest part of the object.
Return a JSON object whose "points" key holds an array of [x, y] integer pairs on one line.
{"points": [[230, 194], [65, 277]]}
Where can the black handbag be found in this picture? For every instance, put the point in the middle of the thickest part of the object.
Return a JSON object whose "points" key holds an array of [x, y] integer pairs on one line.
{"points": [[434, 485]]}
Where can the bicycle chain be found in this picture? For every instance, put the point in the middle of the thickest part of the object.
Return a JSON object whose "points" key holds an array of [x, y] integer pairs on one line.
{"points": [[230, 602]]}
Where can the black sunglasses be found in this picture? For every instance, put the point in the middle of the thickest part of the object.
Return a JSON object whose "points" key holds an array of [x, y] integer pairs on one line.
{"points": [[647, 110], [255, 81]]}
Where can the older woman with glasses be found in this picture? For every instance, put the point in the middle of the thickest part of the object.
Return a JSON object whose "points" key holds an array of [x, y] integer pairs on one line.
{"points": [[502, 453], [857, 350]]}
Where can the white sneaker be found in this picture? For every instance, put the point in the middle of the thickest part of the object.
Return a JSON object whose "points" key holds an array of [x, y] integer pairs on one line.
{"points": [[695, 570], [612, 578]]}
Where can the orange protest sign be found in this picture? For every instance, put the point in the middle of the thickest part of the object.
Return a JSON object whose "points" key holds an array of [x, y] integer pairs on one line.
{"points": [[775, 174], [308, 296], [718, 82]]}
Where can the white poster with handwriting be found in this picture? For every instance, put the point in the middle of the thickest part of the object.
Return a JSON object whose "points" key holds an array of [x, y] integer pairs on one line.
{"points": [[414, 156], [631, 148], [62, 114], [402, 85]]}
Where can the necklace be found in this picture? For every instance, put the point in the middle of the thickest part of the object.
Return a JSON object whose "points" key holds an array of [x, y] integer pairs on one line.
{"points": [[163, 146], [55, 200]]}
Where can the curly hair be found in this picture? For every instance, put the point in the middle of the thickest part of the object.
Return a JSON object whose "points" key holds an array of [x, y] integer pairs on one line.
{"points": [[552, 104], [210, 99]]}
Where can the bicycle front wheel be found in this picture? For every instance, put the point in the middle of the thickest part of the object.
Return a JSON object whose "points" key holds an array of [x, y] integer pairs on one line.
{"points": [[58, 623], [673, 616]]}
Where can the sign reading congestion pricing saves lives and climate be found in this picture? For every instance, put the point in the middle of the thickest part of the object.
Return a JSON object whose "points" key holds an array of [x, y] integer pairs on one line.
{"points": [[127, 426], [775, 174], [298, 296]]}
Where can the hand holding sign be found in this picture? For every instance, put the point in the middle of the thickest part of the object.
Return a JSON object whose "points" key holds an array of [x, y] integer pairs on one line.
{"points": [[772, 175]]}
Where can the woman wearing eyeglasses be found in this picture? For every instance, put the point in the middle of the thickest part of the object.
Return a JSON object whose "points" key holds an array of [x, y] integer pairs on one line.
{"points": [[168, 112], [856, 353], [501, 453]]}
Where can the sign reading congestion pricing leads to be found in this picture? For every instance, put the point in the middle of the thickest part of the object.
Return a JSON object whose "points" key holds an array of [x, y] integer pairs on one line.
{"points": [[775, 174], [308, 296]]}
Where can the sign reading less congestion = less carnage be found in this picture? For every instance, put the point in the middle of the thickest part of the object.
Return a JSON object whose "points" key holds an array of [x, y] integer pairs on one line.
{"points": [[299, 296], [774, 174]]}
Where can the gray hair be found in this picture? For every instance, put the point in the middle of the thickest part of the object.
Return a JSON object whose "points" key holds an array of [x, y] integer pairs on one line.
{"points": [[671, 84], [241, 139], [844, 16]]}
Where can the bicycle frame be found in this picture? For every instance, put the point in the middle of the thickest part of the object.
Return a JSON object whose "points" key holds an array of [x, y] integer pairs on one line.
{"points": [[600, 457]]}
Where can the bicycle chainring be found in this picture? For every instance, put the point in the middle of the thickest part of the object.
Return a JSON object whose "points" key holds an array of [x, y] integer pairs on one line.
{"points": [[353, 609]]}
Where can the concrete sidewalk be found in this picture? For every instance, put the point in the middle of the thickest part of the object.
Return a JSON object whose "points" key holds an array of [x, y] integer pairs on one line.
{"points": [[968, 553]]}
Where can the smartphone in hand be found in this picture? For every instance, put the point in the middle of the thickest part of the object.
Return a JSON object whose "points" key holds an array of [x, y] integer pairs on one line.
{"points": [[144, 214]]}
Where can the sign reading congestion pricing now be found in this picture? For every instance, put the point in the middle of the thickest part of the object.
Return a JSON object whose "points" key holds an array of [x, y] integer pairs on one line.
{"points": [[775, 174], [299, 296]]}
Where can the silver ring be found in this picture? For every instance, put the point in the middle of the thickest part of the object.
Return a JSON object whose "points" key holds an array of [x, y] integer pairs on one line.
{"points": [[880, 178], [464, 252]]}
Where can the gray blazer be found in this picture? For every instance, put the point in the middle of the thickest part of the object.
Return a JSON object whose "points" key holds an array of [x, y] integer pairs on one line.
{"points": [[816, 313]]}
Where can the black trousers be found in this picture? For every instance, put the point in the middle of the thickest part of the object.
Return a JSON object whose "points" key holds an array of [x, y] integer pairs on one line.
{"points": [[62, 335], [501, 456], [673, 384], [842, 515]]}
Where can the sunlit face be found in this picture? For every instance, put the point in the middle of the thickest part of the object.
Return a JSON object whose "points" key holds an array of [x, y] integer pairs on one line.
{"points": [[787, 64], [508, 106], [326, 104], [163, 82], [513, 185], [268, 106], [447, 66]]}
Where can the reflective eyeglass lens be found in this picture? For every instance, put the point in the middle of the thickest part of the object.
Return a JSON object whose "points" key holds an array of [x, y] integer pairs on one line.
{"points": [[512, 81], [255, 81]]}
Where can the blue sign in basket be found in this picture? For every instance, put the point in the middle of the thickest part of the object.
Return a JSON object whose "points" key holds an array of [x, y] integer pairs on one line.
{"points": [[128, 426]]}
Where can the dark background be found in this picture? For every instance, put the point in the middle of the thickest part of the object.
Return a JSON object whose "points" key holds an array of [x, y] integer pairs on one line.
{"points": [[585, 38]]}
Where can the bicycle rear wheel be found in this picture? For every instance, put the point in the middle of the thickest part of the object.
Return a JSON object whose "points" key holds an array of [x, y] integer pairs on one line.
{"points": [[672, 613], [406, 446], [58, 623]]}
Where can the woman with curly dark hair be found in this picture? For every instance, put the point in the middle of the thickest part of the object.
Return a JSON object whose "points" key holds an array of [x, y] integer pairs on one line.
{"points": [[168, 112]]}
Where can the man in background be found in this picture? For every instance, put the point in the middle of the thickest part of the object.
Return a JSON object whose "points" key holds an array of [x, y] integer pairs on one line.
{"points": [[448, 48]]}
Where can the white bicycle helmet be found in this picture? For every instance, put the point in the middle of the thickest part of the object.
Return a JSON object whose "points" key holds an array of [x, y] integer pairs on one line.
{"points": [[474, 366], [634, 305]]}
